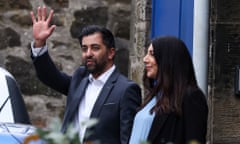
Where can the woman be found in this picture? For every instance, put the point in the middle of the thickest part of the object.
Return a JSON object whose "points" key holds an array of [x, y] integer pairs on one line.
{"points": [[175, 109]]}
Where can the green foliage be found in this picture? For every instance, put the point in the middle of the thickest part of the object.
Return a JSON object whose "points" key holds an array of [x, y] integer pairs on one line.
{"points": [[144, 142], [190, 142], [53, 135]]}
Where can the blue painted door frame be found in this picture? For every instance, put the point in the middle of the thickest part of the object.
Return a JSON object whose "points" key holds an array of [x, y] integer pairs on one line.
{"points": [[175, 18]]}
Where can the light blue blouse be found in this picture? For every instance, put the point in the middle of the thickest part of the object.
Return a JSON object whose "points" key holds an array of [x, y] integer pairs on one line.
{"points": [[142, 123]]}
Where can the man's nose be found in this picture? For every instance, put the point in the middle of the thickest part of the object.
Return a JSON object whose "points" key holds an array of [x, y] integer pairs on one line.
{"points": [[89, 52]]}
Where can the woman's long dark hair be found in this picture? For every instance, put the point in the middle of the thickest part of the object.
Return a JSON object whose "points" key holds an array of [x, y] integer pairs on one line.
{"points": [[174, 77]]}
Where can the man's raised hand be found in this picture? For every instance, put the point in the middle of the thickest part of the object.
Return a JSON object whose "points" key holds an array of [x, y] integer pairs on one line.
{"points": [[41, 29]]}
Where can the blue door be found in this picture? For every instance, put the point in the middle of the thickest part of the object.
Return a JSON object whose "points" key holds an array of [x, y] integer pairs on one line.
{"points": [[175, 18]]}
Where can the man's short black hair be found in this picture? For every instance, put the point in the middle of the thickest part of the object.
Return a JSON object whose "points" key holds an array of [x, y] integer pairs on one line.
{"points": [[107, 36]]}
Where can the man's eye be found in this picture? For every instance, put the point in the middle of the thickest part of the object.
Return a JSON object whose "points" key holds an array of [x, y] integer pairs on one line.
{"points": [[95, 47], [84, 49]]}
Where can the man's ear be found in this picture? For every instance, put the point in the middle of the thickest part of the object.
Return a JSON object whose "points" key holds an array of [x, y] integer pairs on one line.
{"points": [[111, 53]]}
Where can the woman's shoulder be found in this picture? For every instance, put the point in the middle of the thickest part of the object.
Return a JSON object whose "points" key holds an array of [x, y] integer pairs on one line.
{"points": [[195, 100], [194, 95], [192, 91]]}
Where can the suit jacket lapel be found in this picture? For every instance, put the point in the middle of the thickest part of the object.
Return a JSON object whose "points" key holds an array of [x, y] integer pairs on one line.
{"points": [[77, 96], [105, 92], [157, 124]]}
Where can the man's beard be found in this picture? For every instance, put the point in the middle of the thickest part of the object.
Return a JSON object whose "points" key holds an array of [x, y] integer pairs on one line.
{"points": [[96, 68]]}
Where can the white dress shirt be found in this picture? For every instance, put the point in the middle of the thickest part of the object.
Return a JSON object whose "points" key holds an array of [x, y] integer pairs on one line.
{"points": [[92, 92], [38, 51]]}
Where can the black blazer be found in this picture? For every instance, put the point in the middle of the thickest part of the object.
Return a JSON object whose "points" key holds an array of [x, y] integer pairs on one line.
{"points": [[181, 130], [115, 107]]}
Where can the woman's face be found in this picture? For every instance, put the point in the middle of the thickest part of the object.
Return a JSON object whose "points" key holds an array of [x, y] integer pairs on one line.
{"points": [[150, 63]]}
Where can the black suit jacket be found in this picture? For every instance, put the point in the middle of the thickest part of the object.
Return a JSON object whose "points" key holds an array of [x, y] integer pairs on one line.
{"points": [[192, 125], [115, 107]]}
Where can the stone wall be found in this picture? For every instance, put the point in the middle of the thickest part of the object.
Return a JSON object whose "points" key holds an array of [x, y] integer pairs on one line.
{"points": [[70, 16], [140, 37], [224, 124]]}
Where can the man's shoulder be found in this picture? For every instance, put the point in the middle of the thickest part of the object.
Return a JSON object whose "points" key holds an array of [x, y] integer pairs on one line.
{"points": [[125, 81], [81, 70]]}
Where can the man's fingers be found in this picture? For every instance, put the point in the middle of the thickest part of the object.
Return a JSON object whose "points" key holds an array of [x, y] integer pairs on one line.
{"points": [[51, 29], [39, 13], [50, 16], [44, 13], [33, 17]]}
